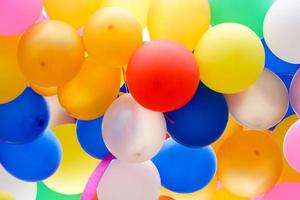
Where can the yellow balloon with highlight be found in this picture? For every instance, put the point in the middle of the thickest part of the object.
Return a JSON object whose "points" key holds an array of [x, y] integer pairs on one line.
{"points": [[44, 91], [231, 58], [184, 21], [76, 166], [288, 173], [223, 194], [89, 94], [112, 35], [75, 13], [139, 8], [12, 81], [6, 196], [50, 53]]}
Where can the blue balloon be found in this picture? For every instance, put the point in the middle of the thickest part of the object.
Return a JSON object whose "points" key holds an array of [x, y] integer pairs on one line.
{"points": [[277, 65], [33, 161], [202, 121], [89, 134], [124, 88], [24, 118], [183, 169]]}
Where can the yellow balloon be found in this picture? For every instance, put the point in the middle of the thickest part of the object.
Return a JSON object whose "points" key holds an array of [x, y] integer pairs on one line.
{"points": [[44, 91], [231, 57], [6, 196], [75, 13], [112, 35], [12, 81], [139, 8], [249, 163], [288, 173], [224, 194], [89, 94], [184, 21], [50, 53], [203, 194], [76, 166]]}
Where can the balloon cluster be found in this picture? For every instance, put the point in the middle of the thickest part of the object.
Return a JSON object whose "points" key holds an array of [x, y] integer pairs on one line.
{"points": [[207, 107]]}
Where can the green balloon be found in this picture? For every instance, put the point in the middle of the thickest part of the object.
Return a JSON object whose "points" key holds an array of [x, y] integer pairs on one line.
{"points": [[250, 13], [45, 193]]}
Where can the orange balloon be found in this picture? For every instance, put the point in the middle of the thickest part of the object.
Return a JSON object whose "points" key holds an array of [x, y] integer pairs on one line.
{"points": [[50, 53], [89, 94], [224, 194], [44, 91], [165, 198], [249, 163]]}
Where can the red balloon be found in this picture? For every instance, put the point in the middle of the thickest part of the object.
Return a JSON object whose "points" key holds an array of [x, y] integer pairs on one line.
{"points": [[162, 75]]}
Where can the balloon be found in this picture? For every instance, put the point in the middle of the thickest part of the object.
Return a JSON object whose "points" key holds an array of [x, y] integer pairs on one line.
{"points": [[288, 173], [288, 191], [223, 194], [249, 13], [287, 80], [231, 58], [14, 189], [134, 181], [33, 161], [50, 53], [295, 93], [251, 158], [89, 135], [281, 30], [202, 121], [24, 118], [181, 21], [12, 81], [139, 8], [76, 165], [44, 193], [18, 15], [183, 169], [44, 91], [89, 94], [75, 13], [139, 134], [165, 198], [162, 75], [112, 35], [261, 106]]}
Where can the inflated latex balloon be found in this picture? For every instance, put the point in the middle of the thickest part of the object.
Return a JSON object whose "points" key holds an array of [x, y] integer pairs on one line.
{"points": [[139, 134], [231, 58], [14, 188], [44, 192], [288, 191], [162, 75], [50, 53], [112, 35], [165, 198], [252, 158], [89, 94], [183, 169], [261, 106], [249, 13], [76, 165], [223, 194], [89, 135], [134, 181], [181, 21], [12, 81], [281, 30], [17, 15], [44, 91], [287, 80], [33, 161], [288, 173], [75, 13], [200, 122], [24, 118], [139, 8], [295, 93]]}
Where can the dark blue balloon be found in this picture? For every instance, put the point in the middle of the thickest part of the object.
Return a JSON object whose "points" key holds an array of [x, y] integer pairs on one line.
{"points": [[89, 134], [277, 65], [33, 161], [183, 169], [24, 118], [124, 88], [202, 121]]}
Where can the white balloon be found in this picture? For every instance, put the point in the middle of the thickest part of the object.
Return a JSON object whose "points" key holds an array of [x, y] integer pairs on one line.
{"points": [[129, 181], [282, 30], [20, 190], [131, 132]]}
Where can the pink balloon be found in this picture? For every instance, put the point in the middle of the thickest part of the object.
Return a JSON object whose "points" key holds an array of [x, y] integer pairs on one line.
{"points": [[17, 15], [295, 93], [291, 146], [284, 191]]}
